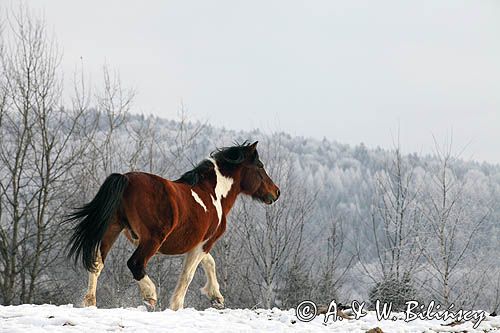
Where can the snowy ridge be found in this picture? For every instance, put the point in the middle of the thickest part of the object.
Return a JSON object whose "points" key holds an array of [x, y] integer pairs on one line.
{"points": [[66, 318]]}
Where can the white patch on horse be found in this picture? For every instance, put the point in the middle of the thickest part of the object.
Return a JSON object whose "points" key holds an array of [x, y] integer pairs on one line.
{"points": [[191, 261], [222, 187], [89, 299], [148, 289], [211, 288], [198, 200]]}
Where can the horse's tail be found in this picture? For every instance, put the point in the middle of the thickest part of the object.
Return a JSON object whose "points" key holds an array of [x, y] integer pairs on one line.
{"points": [[94, 220]]}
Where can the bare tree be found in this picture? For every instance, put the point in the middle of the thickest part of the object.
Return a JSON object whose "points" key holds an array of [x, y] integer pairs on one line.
{"points": [[113, 103], [232, 264], [451, 226], [493, 291], [273, 237], [20, 69], [182, 152], [40, 146], [168, 151], [335, 262], [395, 221]]}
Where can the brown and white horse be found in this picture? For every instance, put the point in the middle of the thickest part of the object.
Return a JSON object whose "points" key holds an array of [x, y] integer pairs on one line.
{"points": [[185, 216]]}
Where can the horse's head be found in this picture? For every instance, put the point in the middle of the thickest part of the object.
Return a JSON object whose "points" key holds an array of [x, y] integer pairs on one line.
{"points": [[254, 179]]}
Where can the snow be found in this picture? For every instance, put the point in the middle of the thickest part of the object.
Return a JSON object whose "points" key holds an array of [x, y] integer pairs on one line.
{"points": [[66, 318]]}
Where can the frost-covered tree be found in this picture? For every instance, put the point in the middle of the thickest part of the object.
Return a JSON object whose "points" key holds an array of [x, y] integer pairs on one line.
{"points": [[452, 222], [41, 144], [394, 225]]}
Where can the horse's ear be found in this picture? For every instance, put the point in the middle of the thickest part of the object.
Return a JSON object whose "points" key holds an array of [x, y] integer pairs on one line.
{"points": [[253, 146]]}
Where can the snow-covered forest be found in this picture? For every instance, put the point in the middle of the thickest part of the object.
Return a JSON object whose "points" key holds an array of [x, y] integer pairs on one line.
{"points": [[351, 223]]}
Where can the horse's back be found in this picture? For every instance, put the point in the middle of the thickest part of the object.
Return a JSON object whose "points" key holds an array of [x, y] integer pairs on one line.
{"points": [[158, 209], [148, 206]]}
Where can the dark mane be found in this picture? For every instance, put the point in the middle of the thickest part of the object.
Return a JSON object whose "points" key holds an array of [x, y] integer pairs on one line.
{"points": [[234, 155], [194, 176], [227, 157]]}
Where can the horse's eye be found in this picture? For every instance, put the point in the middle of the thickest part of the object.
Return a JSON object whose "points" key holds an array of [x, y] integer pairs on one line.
{"points": [[260, 165]]}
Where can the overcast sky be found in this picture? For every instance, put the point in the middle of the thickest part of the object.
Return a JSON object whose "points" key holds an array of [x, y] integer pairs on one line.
{"points": [[347, 70]]}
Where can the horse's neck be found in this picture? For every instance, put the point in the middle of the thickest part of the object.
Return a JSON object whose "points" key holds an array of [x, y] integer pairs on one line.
{"points": [[230, 199], [234, 191]]}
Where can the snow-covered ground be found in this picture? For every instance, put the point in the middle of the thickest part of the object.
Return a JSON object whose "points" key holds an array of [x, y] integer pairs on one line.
{"points": [[51, 318]]}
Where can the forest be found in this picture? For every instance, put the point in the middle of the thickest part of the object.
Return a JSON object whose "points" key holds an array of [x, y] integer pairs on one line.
{"points": [[351, 223]]}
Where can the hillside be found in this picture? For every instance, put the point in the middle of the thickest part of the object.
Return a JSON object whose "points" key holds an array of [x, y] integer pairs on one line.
{"points": [[351, 223]]}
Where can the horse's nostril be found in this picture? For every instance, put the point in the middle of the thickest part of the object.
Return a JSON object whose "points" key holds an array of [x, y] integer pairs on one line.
{"points": [[277, 194]]}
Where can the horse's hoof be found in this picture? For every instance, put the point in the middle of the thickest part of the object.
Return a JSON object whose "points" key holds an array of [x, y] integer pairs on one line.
{"points": [[150, 304], [89, 300], [217, 304]]}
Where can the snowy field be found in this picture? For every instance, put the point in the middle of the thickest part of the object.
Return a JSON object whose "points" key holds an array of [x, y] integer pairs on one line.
{"points": [[51, 318]]}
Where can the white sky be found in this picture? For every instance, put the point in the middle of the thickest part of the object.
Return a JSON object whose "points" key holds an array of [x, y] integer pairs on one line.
{"points": [[346, 70]]}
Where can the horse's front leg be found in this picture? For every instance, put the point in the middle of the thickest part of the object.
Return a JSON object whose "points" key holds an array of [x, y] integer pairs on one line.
{"points": [[211, 288], [191, 262]]}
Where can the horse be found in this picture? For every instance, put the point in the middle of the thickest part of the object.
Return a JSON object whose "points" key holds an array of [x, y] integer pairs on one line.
{"points": [[185, 216]]}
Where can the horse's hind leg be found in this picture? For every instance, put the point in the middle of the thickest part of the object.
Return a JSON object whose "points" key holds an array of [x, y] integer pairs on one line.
{"points": [[89, 299], [109, 238], [137, 265]]}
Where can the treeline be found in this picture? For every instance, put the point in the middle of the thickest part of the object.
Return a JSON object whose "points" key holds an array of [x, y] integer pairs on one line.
{"points": [[352, 223]]}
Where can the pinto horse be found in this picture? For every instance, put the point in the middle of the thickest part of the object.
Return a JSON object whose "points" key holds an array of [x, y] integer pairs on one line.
{"points": [[185, 216]]}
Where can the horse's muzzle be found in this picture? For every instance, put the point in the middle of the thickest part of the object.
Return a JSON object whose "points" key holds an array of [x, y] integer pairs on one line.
{"points": [[271, 198]]}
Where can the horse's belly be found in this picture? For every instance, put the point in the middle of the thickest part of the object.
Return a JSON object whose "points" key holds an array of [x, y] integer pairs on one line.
{"points": [[181, 241]]}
